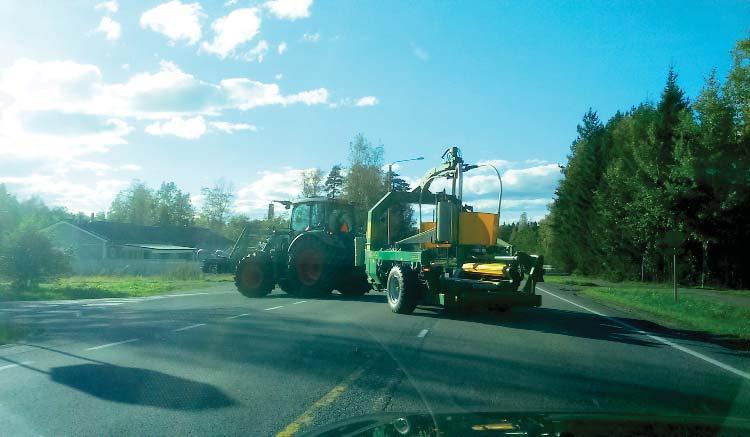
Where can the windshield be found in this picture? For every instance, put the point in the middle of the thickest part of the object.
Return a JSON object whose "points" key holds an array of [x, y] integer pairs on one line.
{"points": [[301, 217], [267, 217]]}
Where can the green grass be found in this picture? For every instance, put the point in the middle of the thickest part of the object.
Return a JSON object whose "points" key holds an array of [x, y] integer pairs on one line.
{"points": [[656, 302], [92, 287], [575, 280], [9, 333]]}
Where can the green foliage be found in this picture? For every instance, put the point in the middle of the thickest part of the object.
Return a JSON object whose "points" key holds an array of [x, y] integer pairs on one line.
{"points": [[402, 216], [312, 183], [334, 184], [172, 206], [365, 183], [669, 166], [216, 203], [135, 205], [29, 258]]}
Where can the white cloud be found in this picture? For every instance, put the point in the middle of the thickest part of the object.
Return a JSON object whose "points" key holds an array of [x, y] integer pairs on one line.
{"points": [[99, 168], [187, 128], [53, 85], [258, 52], [525, 188], [289, 9], [313, 97], [253, 198], [367, 101], [130, 167], [110, 6], [230, 3], [84, 197], [110, 28], [281, 48], [176, 20], [70, 87], [311, 37], [233, 30], [279, 76], [17, 141], [229, 128]]}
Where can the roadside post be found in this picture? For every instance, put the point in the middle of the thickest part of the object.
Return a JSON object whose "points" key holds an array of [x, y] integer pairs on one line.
{"points": [[673, 240]]}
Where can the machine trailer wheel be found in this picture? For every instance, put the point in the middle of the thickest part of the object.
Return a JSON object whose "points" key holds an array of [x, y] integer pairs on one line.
{"points": [[254, 277], [402, 289]]}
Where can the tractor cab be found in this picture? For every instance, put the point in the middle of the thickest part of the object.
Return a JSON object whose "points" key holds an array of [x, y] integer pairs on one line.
{"points": [[322, 214]]}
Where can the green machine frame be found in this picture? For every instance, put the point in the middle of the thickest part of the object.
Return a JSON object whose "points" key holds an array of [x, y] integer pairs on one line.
{"points": [[436, 256]]}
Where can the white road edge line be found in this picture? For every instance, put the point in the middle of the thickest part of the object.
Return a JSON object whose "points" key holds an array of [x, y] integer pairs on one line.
{"points": [[680, 348], [423, 332], [302, 301], [111, 344], [10, 366], [185, 328], [273, 308], [238, 315]]}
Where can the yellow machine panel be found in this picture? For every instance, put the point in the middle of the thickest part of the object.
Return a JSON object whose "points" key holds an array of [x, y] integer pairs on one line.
{"points": [[477, 228], [426, 226], [493, 269]]}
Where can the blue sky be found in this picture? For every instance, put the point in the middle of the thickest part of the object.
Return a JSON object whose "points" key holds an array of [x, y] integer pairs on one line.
{"points": [[95, 94]]}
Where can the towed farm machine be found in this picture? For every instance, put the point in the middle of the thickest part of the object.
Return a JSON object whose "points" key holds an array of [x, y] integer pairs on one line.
{"points": [[455, 259]]}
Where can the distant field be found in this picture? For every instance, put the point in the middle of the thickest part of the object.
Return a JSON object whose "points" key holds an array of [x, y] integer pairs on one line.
{"points": [[704, 312], [92, 287]]}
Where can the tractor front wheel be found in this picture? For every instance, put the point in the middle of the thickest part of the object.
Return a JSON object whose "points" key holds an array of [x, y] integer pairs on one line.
{"points": [[402, 289], [254, 276]]}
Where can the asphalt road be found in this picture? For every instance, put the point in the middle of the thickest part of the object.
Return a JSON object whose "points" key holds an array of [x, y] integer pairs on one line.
{"points": [[214, 362]]}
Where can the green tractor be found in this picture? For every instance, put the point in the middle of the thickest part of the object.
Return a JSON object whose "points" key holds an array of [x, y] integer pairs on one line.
{"points": [[310, 259]]}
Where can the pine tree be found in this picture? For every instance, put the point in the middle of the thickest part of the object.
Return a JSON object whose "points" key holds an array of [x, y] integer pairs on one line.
{"points": [[334, 184]]}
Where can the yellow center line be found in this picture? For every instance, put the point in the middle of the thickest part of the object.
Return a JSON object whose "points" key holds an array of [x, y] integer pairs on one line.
{"points": [[308, 416]]}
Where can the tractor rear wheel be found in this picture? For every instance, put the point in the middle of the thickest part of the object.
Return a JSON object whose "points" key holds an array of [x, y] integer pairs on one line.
{"points": [[312, 268], [254, 276], [402, 289]]}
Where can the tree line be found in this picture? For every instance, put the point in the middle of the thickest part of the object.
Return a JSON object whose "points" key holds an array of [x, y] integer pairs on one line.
{"points": [[677, 165]]}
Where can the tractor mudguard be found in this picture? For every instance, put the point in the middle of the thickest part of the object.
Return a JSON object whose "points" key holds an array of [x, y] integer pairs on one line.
{"points": [[322, 236]]}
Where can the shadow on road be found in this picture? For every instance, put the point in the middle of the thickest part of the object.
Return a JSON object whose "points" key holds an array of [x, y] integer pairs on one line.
{"points": [[370, 297], [585, 325], [551, 321], [141, 387]]}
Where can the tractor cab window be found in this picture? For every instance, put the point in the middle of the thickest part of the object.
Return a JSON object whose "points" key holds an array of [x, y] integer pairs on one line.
{"points": [[340, 220], [301, 217], [318, 218]]}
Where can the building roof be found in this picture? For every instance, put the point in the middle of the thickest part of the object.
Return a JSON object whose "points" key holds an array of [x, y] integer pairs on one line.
{"points": [[128, 233], [169, 247]]}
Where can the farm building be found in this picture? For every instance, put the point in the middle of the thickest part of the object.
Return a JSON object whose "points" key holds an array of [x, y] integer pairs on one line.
{"points": [[99, 247]]}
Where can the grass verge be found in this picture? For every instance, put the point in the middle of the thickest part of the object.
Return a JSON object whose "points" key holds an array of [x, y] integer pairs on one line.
{"points": [[9, 333], [655, 302], [93, 287]]}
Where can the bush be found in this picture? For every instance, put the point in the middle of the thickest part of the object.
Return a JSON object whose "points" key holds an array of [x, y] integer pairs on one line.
{"points": [[29, 258], [188, 271]]}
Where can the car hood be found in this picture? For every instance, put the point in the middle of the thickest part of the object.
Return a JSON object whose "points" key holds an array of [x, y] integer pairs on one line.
{"points": [[534, 424]]}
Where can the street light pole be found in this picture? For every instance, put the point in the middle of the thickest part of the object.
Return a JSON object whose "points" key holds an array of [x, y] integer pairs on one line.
{"points": [[390, 188]]}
